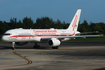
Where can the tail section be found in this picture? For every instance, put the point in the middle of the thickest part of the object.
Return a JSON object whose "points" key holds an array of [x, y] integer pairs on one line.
{"points": [[75, 21]]}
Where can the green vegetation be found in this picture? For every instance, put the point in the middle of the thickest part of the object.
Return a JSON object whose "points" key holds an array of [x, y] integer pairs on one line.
{"points": [[1, 41], [87, 40], [46, 23], [81, 40]]}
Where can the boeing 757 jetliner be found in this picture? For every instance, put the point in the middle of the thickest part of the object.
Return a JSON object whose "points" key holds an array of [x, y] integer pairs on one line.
{"points": [[53, 36]]}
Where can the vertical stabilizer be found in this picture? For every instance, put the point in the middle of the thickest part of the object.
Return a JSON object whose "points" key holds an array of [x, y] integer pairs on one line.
{"points": [[75, 21]]}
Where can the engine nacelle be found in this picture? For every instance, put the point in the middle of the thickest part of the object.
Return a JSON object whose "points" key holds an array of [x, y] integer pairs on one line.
{"points": [[54, 42], [20, 43]]}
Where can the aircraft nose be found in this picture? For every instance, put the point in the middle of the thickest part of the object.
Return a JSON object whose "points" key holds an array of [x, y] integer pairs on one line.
{"points": [[4, 38]]}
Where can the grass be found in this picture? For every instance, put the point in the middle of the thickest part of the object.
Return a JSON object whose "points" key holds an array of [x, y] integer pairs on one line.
{"points": [[1, 41], [81, 40], [87, 40]]}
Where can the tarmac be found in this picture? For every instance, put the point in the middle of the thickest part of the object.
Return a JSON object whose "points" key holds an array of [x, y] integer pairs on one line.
{"points": [[69, 56]]}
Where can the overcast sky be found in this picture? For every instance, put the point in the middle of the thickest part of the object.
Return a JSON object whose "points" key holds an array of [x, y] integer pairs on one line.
{"points": [[64, 10]]}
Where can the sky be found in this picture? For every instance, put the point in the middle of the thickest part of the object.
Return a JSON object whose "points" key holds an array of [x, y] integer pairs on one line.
{"points": [[64, 10]]}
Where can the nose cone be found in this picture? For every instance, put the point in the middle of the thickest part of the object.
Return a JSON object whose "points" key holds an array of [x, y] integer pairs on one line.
{"points": [[4, 38]]}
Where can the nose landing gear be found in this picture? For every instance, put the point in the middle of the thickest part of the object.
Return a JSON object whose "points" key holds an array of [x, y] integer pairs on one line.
{"points": [[13, 43]]}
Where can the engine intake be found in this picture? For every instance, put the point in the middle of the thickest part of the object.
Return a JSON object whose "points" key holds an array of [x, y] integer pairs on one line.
{"points": [[54, 42]]}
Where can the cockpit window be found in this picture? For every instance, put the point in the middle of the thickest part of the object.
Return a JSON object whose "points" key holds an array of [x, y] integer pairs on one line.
{"points": [[7, 34]]}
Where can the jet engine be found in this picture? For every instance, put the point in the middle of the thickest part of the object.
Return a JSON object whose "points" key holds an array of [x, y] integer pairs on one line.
{"points": [[20, 43], [54, 42]]}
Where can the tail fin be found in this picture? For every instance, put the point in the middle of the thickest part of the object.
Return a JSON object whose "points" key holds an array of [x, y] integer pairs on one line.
{"points": [[75, 21]]}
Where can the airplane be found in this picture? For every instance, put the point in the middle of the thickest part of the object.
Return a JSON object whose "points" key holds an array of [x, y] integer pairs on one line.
{"points": [[54, 37]]}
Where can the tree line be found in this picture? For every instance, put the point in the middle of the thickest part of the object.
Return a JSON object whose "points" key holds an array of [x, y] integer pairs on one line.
{"points": [[46, 23]]}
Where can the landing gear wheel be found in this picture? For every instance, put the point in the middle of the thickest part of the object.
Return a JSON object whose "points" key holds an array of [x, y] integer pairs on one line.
{"points": [[36, 46], [55, 47]]}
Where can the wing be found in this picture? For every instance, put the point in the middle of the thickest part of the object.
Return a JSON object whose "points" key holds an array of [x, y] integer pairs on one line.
{"points": [[82, 36], [89, 32]]}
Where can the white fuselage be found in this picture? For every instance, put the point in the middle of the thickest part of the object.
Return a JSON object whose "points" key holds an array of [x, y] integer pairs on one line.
{"points": [[23, 35]]}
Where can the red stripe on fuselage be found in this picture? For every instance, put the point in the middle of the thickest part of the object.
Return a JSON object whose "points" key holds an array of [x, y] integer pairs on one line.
{"points": [[41, 35]]}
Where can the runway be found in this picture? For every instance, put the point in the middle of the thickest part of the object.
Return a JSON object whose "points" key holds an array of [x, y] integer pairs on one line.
{"points": [[69, 56]]}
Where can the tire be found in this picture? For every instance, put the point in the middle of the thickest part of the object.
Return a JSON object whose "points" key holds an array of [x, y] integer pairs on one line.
{"points": [[55, 47], [37, 47]]}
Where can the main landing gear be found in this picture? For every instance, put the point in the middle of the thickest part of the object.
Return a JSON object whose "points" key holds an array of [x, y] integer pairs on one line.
{"points": [[55, 47], [36, 46]]}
